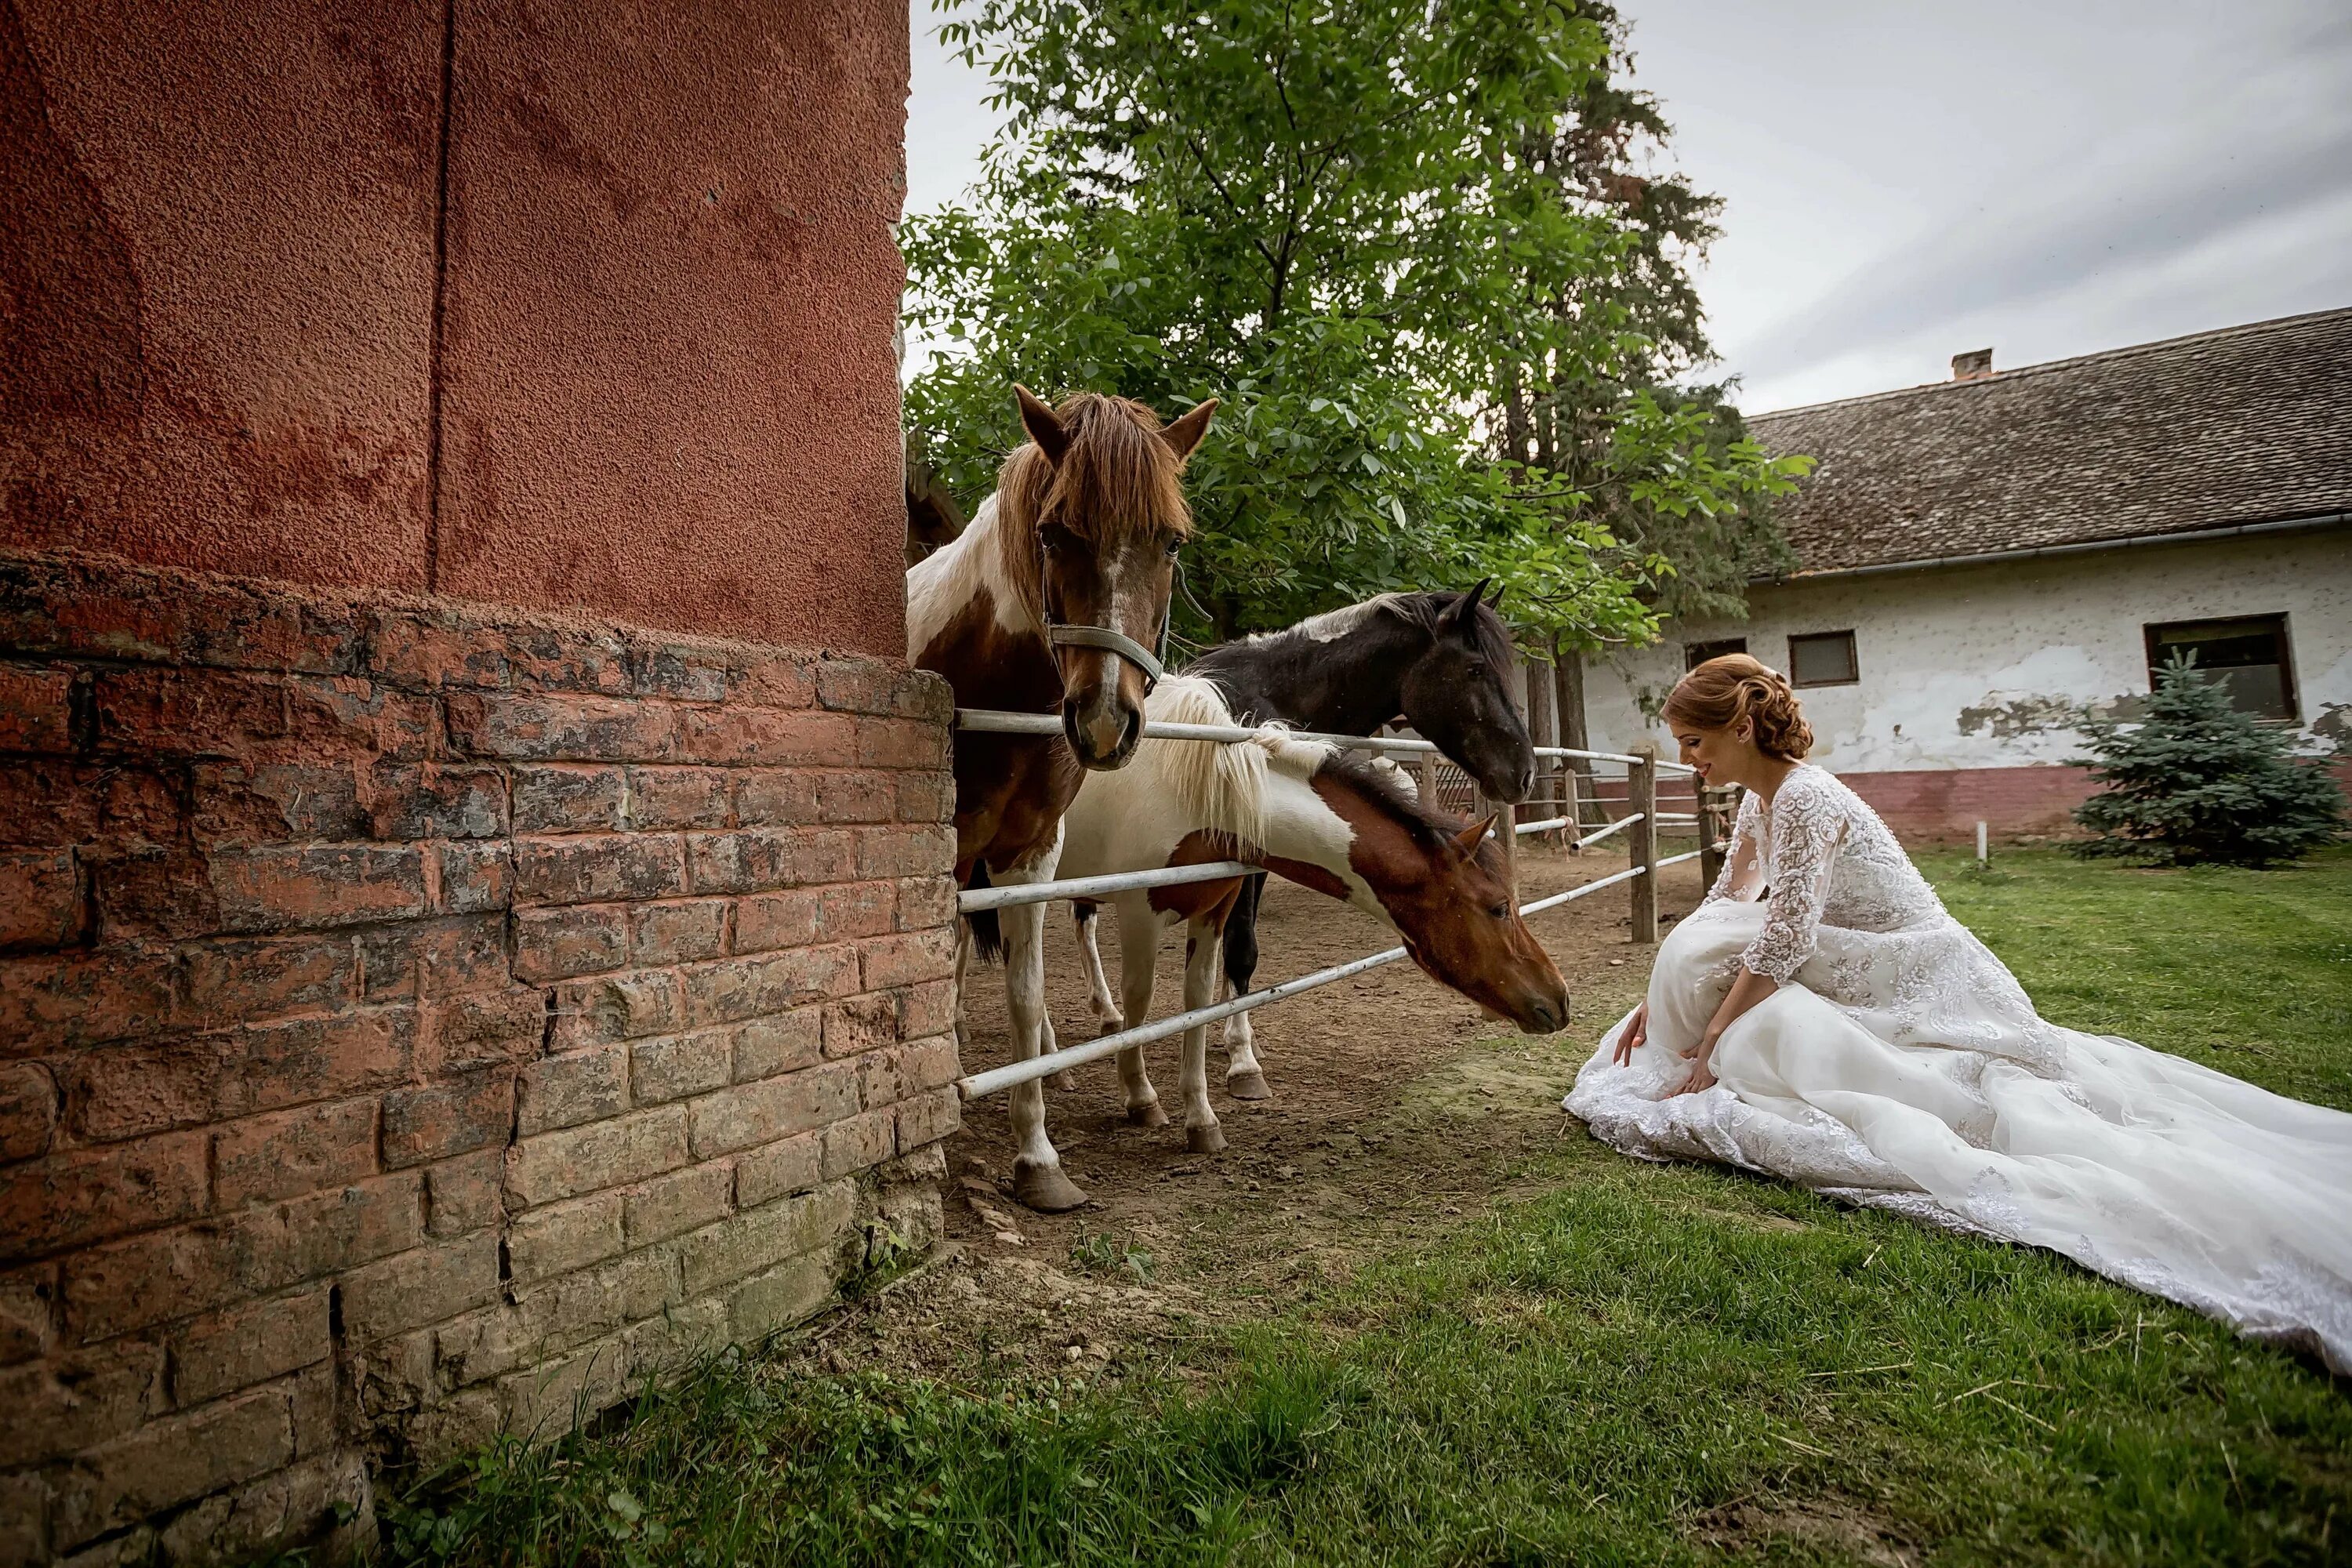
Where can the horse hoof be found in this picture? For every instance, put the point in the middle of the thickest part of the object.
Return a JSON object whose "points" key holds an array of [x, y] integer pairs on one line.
{"points": [[1209, 1140], [1250, 1085], [1151, 1115], [1111, 1024], [1045, 1189], [1065, 1080]]}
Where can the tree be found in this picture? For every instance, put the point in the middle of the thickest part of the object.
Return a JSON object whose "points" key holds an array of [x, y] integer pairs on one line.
{"points": [[1319, 215], [2196, 780]]}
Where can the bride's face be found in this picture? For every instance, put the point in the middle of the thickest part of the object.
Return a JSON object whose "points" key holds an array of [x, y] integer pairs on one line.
{"points": [[1720, 756]]}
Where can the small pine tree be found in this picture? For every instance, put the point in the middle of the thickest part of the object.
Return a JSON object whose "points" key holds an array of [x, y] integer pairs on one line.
{"points": [[2196, 780]]}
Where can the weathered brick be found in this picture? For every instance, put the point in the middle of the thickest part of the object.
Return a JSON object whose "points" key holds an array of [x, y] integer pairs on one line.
{"points": [[437, 647], [148, 892], [929, 1116], [768, 737], [444, 1119], [904, 1071], [788, 1165], [905, 851], [617, 1007], [566, 1090], [740, 988], [564, 1236], [926, 901], [597, 867], [759, 1238], [677, 797], [548, 1400], [434, 801], [928, 1008], [675, 1340], [901, 743], [41, 898], [571, 799], [36, 707], [276, 800], [433, 958], [483, 1029], [682, 1201], [863, 1141], [305, 889], [747, 860], [855, 796], [558, 1313], [570, 939], [776, 797], [765, 922], [25, 1517], [55, 1001], [563, 729], [321, 1497], [907, 960], [663, 934], [421, 1285], [70, 1200], [367, 718], [320, 1058], [108, 610], [28, 1312], [762, 1111], [28, 1109], [466, 1194], [861, 1024], [674, 1066], [58, 1407], [625, 1149], [170, 1461], [785, 1043], [778, 1297], [926, 796], [247, 980], [856, 686], [777, 682], [250, 1343], [292, 1152], [688, 672], [149, 710], [123, 1092], [472, 877]]}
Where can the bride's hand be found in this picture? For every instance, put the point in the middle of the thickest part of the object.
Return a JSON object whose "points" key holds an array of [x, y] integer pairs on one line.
{"points": [[1702, 1070], [1635, 1034]]}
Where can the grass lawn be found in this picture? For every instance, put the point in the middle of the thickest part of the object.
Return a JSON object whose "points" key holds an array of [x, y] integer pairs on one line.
{"points": [[1643, 1364]]}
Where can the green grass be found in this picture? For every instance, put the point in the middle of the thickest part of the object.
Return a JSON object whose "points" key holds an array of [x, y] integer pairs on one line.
{"points": [[1646, 1365]]}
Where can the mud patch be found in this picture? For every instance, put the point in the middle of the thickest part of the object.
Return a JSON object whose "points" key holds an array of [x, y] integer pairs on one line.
{"points": [[1753, 1525]]}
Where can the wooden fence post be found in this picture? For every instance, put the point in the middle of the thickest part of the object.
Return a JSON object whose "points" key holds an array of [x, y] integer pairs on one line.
{"points": [[1426, 777], [1710, 833], [1642, 786], [1506, 829], [1571, 807]]}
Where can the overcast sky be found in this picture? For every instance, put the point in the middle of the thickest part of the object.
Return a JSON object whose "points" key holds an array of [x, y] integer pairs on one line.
{"points": [[1905, 181]]}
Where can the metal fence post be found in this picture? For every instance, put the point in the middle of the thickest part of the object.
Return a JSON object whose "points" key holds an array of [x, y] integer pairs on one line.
{"points": [[1642, 785]]}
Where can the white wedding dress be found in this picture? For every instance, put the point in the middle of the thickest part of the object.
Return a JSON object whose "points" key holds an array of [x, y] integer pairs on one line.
{"points": [[1901, 1065]]}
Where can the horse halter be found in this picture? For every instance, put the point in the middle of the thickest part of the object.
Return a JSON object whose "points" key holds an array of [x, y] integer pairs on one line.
{"points": [[1063, 634]]}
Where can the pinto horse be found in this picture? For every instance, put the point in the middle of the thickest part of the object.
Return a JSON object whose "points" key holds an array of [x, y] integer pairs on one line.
{"points": [[1306, 811], [1437, 660], [1050, 600]]}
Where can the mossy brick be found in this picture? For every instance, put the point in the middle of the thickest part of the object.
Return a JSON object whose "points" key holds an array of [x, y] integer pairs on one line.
{"points": [[264, 1158], [545, 1401], [570, 941], [533, 728], [736, 989], [560, 799], [679, 1202], [481, 1029], [672, 1067], [439, 1120], [548, 1318], [73, 1199], [572, 1088], [322, 1500], [786, 1042], [169, 1462], [758, 1238], [565, 1236], [677, 1339], [769, 737], [304, 887], [249, 1343], [788, 1165], [25, 1517], [778, 1297], [423, 1285], [558, 1165], [41, 898], [61, 1407], [678, 932], [749, 1114]]}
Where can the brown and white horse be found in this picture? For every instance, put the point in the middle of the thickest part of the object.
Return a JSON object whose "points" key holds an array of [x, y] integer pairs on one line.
{"points": [[1318, 815], [1050, 601]]}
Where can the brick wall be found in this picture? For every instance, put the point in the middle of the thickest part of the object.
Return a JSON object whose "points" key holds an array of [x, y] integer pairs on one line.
{"points": [[415, 1021]]}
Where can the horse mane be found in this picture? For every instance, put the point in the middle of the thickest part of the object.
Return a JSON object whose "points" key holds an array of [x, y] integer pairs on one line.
{"points": [[1117, 477], [1424, 610]]}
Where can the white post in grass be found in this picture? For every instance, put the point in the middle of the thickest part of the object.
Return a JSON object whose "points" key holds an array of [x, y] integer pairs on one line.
{"points": [[1981, 860]]}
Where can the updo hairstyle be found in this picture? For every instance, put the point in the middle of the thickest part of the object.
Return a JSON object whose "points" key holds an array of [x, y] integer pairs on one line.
{"points": [[1721, 692]]}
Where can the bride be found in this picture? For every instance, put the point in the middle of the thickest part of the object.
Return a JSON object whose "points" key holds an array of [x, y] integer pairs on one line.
{"points": [[1822, 1017]]}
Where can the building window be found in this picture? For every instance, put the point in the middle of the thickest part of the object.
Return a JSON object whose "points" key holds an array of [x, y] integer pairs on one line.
{"points": [[1822, 658], [1697, 653], [2249, 654]]}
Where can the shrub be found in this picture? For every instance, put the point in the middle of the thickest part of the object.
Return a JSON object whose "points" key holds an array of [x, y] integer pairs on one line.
{"points": [[2197, 780]]}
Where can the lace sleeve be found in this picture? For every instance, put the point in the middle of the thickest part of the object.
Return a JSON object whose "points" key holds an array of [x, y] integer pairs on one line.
{"points": [[1741, 868], [1806, 827]]}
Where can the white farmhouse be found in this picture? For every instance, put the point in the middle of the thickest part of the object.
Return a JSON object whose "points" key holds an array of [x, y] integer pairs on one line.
{"points": [[1983, 558]]}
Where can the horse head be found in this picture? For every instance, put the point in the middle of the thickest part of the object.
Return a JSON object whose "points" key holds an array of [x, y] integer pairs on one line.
{"points": [[1093, 514], [1454, 694]]}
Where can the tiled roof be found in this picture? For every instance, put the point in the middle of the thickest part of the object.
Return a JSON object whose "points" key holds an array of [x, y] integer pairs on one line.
{"points": [[2247, 424]]}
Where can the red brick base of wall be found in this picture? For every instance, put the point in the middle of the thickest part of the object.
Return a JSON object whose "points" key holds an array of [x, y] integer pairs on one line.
{"points": [[2013, 803], [416, 1024]]}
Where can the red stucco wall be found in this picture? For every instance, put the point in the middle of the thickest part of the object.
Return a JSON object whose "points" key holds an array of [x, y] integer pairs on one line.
{"points": [[627, 350]]}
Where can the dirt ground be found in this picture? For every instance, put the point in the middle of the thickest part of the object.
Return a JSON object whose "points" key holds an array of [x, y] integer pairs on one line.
{"points": [[1398, 1108]]}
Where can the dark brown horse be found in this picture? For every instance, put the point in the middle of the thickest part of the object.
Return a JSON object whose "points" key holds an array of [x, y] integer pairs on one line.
{"points": [[1051, 601]]}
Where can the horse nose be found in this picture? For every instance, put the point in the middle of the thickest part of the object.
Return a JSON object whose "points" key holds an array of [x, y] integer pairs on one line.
{"points": [[1102, 729], [1545, 1015]]}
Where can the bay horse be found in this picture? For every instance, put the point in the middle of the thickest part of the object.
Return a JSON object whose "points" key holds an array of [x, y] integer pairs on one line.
{"points": [[1318, 815], [1439, 660], [1051, 600]]}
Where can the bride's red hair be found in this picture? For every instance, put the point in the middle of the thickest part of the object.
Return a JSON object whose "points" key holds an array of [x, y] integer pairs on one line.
{"points": [[1721, 692]]}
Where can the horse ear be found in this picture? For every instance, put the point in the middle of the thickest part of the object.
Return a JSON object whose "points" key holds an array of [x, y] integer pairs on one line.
{"points": [[1495, 604], [1465, 613], [1045, 426], [1466, 843], [1186, 433]]}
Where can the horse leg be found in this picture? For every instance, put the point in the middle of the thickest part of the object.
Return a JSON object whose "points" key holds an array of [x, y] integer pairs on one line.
{"points": [[1202, 1133], [963, 962], [1037, 1178], [1138, 952], [1244, 1079], [1105, 1006]]}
